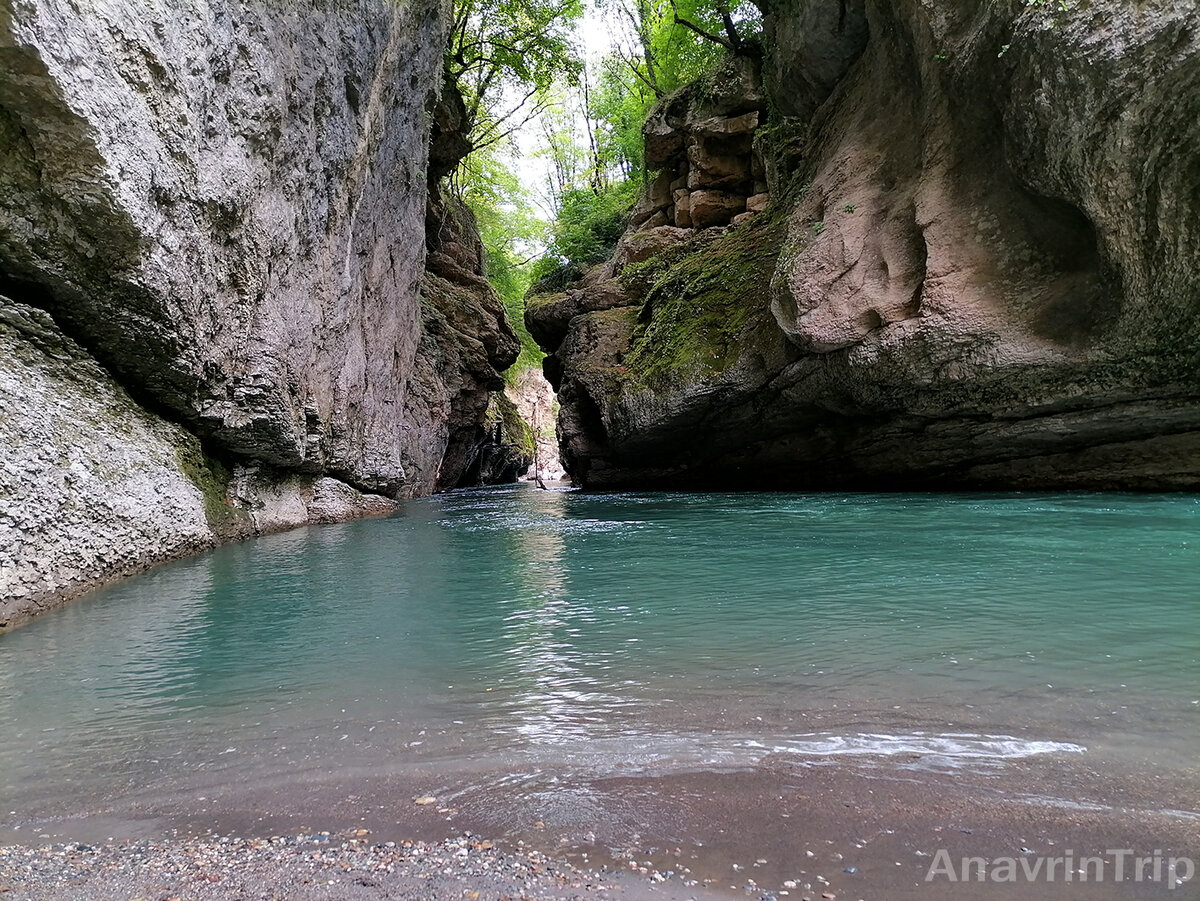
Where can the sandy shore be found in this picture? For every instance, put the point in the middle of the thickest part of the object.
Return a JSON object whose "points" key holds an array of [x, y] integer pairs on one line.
{"points": [[834, 833], [315, 867]]}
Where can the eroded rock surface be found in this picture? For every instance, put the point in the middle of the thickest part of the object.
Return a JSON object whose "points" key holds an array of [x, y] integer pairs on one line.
{"points": [[980, 266], [224, 206], [94, 487], [701, 141]]}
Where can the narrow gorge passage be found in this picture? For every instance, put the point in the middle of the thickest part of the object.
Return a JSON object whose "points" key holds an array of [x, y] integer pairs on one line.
{"points": [[672, 449]]}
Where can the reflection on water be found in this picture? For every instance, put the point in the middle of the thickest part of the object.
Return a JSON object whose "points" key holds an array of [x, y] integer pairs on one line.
{"points": [[529, 628]]}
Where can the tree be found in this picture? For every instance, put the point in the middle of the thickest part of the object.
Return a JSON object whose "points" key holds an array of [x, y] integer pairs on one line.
{"points": [[504, 56]]}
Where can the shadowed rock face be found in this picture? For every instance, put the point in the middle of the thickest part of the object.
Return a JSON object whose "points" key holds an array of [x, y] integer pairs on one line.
{"points": [[213, 226], [225, 205], [981, 266]]}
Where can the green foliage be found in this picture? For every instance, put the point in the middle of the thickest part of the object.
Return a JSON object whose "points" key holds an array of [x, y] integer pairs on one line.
{"points": [[502, 53], [510, 232], [514, 431], [513, 60], [655, 55], [590, 223], [586, 232], [212, 477]]}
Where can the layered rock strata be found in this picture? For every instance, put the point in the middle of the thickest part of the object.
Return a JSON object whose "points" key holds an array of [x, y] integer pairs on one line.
{"points": [[980, 267], [701, 142]]}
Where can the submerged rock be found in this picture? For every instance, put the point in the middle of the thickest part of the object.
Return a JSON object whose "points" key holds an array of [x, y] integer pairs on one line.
{"points": [[979, 266]]}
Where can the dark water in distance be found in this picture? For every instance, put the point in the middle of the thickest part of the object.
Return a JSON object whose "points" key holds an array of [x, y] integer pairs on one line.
{"points": [[513, 629]]}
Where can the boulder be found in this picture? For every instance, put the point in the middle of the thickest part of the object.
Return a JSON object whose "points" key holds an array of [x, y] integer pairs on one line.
{"points": [[635, 247], [663, 141], [725, 127], [756, 203], [659, 191], [548, 317], [712, 168], [714, 207]]}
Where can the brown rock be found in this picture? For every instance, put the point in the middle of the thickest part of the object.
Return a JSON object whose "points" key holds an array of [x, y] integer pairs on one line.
{"points": [[663, 142], [740, 218], [955, 299], [714, 207], [758, 202], [548, 318], [719, 127], [659, 191], [655, 221], [734, 88], [711, 169], [683, 211], [642, 210], [638, 246]]}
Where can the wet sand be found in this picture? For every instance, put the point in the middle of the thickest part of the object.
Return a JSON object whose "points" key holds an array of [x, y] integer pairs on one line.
{"points": [[851, 831]]}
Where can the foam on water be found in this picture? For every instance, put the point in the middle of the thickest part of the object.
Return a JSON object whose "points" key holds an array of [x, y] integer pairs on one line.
{"points": [[950, 747], [663, 753]]}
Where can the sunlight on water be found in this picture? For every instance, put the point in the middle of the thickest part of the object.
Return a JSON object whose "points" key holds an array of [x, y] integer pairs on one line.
{"points": [[626, 631]]}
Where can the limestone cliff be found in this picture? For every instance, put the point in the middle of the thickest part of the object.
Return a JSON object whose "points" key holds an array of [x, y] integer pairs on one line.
{"points": [[979, 265], [212, 231]]}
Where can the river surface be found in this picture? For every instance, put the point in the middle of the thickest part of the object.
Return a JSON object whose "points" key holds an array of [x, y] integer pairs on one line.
{"points": [[564, 661]]}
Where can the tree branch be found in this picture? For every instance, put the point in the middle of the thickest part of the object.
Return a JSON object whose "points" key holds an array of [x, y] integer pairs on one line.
{"points": [[707, 35]]}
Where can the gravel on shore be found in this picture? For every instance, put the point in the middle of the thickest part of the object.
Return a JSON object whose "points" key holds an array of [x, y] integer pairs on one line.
{"points": [[313, 867]]}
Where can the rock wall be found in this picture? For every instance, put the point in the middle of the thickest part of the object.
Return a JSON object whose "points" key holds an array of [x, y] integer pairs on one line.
{"points": [[94, 487], [980, 267], [221, 207], [219, 202], [466, 339], [537, 406], [701, 139]]}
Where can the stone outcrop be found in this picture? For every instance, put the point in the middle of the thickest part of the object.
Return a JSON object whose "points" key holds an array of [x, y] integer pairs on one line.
{"points": [[223, 211], [700, 141], [94, 487], [980, 266], [467, 339], [533, 397], [505, 451]]}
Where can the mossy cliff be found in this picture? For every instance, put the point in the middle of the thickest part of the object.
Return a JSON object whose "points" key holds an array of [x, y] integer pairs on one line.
{"points": [[979, 264]]}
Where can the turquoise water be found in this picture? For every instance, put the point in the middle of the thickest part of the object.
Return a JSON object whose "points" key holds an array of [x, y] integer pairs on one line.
{"points": [[512, 629]]}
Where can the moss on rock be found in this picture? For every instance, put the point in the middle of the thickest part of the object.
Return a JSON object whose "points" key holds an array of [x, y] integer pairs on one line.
{"points": [[701, 303], [514, 431], [212, 477]]}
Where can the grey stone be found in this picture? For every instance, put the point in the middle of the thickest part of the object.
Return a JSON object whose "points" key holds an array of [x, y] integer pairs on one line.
{"points": [[224, 205]]}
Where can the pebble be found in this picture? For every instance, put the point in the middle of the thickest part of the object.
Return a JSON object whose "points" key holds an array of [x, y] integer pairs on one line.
{"points": [[233, 867]]}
